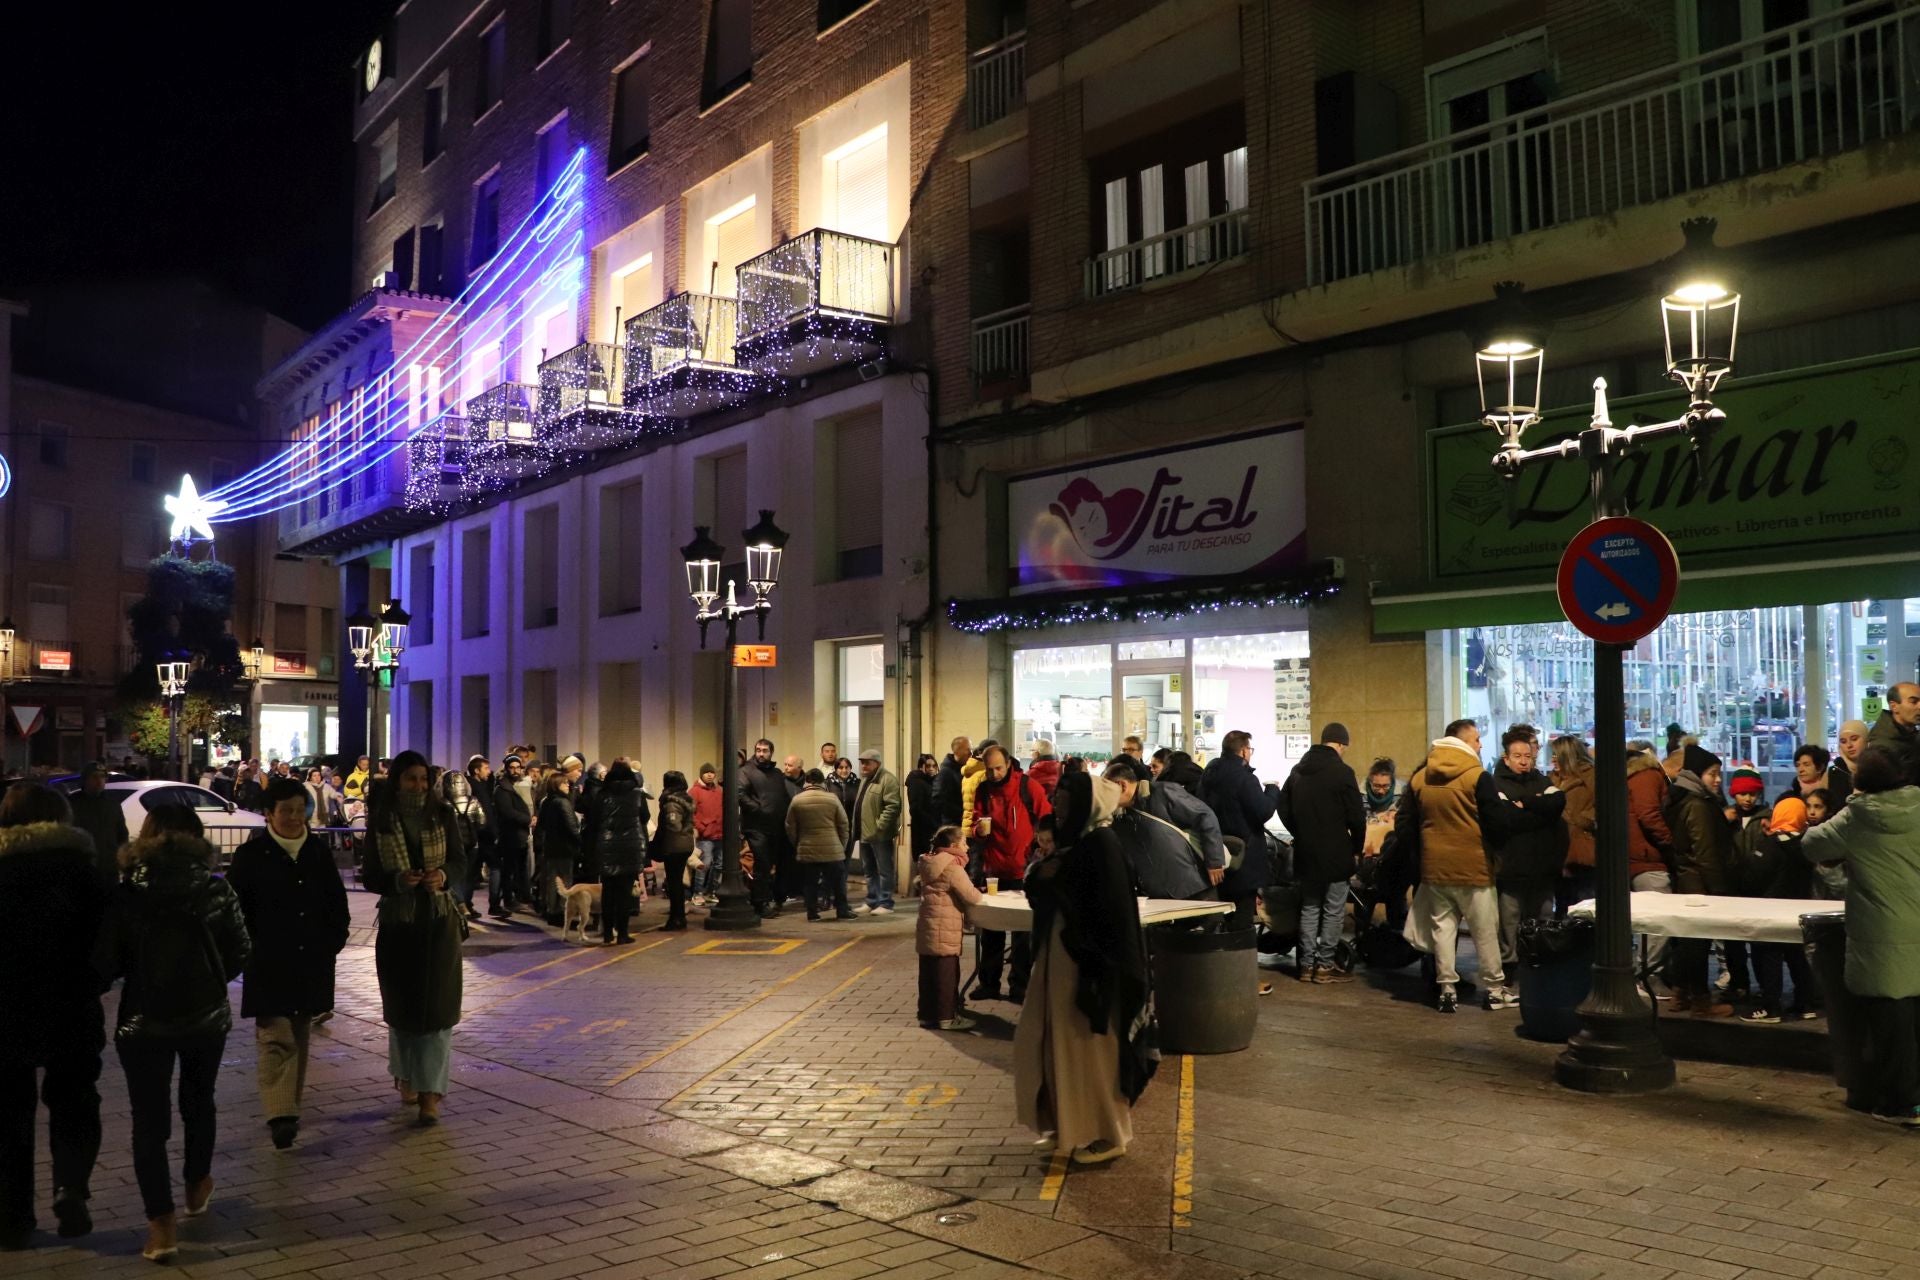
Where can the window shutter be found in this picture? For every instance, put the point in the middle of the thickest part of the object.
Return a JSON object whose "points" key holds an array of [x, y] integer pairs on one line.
{"points": [[860, 190], [1153, 218], [1236, 175], [857, 483]]}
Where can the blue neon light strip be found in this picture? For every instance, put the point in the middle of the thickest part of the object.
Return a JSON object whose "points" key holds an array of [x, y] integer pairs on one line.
{"points": [[296, 474]]}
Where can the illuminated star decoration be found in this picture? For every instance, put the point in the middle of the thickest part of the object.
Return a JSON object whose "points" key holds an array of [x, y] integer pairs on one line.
{"points": [[192, 514]]}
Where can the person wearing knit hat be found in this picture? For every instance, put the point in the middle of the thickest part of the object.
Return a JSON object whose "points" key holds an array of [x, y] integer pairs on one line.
{"points": [[1773, 866], [1702, 848], [1748, 816]]}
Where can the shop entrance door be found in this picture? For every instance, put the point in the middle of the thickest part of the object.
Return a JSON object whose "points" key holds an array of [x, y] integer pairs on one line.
{"points": [[1153, 700]]}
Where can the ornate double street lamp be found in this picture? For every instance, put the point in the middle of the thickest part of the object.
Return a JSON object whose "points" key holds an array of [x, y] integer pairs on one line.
{"points": [[376, 644], [704, 556], [173, 687], [1616, 1049]]}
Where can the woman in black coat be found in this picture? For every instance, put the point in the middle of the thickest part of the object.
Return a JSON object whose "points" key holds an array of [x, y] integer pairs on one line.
{"points": [[296, 910], [556, 834], [620, 817], [51, 902], [673, 843], [175, 933], [921, 820]]}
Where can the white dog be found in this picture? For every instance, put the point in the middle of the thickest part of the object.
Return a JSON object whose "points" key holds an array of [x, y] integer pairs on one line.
{"points": [[582, 903]]}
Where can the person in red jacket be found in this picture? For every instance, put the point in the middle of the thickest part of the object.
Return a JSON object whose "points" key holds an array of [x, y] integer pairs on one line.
{"points": [[1005, 807], [1044, 768], [709, 822]]}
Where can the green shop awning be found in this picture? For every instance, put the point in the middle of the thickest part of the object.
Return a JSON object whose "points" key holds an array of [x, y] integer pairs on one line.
{"points": [[1800, 582]]}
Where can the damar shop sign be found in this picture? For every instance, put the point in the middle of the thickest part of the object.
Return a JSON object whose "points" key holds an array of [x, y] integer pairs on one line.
{"points": [[1231, 506], [1807, 462]]}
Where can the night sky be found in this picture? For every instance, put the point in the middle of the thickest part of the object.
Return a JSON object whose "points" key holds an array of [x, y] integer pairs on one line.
{"points": [[203, 139]]}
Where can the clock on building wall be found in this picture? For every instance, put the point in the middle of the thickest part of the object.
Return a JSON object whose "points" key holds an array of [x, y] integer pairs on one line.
{"points": [[375, 69]]}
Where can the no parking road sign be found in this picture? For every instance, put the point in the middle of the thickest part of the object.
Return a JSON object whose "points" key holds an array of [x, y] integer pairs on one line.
{"points": [[1617, 579]]}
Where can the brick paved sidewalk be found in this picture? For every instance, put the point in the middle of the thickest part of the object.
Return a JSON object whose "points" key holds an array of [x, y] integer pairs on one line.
{"points": [[710, 1105]]}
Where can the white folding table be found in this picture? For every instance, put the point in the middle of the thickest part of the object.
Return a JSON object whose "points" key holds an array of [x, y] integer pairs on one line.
{"points": [[1687, 915]]}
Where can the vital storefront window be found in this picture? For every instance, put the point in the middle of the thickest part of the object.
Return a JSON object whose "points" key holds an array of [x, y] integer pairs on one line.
{"points": [[1064, 696]]}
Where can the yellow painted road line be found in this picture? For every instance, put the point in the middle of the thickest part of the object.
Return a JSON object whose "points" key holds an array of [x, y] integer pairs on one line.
{"points": [[548, 964], [1056, 1174], [866, 1091], [1183, 1148], [725, 1018], [542, 986]]}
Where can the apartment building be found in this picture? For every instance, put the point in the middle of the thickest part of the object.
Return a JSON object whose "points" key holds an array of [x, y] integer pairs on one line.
{"points": [[1211, 441], [626, 270]]}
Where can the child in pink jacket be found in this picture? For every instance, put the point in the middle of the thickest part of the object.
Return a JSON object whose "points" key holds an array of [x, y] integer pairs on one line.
{"points": [[945, 894]]}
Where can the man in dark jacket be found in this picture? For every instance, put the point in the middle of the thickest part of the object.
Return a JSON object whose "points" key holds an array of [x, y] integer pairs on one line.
{"points": [[764, 798], [620, 817], [948, 796], [921, 819], [1321, 810], [1172, 840], [296, 910], [1521, 819], [513, 828], [480, 832], [1234, 792], [99, 815], [50, 1016], [1898, 729], [1702, 847]]}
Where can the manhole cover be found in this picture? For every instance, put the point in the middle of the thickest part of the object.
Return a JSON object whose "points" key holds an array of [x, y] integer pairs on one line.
{"points": [[954, 1219]]}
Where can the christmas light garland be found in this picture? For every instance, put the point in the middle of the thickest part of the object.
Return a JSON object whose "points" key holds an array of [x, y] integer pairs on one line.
{"points": [[1154, 605], [820, 300]]}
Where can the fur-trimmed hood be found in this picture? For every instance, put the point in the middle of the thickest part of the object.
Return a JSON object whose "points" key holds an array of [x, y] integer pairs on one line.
{"points": [[35, 837], [169, 861]]}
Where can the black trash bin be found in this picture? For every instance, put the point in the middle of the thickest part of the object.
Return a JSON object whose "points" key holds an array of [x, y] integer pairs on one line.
{"points": [[1204, 987], [1556, 973], [1824, 934]]}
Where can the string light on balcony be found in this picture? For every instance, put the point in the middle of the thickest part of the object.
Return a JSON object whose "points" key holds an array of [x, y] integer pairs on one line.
{"points": [[788, 297]]}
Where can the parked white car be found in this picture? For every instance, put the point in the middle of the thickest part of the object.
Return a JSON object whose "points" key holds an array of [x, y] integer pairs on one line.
{"points": [[228, 827]]}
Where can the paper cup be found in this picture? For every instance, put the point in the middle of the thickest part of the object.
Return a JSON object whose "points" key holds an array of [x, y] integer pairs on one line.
{"points": [[993, 884]]}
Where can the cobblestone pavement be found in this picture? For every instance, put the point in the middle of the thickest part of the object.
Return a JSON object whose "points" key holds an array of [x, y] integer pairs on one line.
{"points": [[701, 1105]]}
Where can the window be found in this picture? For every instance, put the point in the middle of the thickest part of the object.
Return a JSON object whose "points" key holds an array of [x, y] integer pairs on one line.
{"points": [[732, 239], [403, 260], [633, 292], [837, 11], [540, 567], [420, 594], [53, 445], [433, 136], [47, 614], [552, 148], [538, 714], [856, 186], [142, 537], [49, 531], [492, 74], [433, 259], [1180, 178], [142, 459], [861, 674], [720, 503], [420, 716], [620, 692], [386, 167], [544, 336], [556, 25], [857, 482], [621, 540], [729, 49], [629, 138], [486, 220], [476, 715], [289, 629], [476, 582]]}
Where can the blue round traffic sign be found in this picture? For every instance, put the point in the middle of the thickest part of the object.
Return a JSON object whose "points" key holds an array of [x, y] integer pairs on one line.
{"points": [[1617, 579]]}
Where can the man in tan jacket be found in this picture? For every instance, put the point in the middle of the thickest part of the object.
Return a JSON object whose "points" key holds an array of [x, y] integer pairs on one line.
{"points": [[1441, 814]]}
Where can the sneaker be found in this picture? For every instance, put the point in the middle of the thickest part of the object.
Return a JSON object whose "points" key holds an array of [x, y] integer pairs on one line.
{"points": [[1099, 1151], [881, 911], [1807, 1015], [1760, 1017], [1272, 960], [1909, 1118], [862, 909], [1502, 997], [1449, 1000], [958, 1024], [1326, 975]]}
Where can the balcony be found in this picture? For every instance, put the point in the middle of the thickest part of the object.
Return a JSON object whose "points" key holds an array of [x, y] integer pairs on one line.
{"points": [[436, 465], [504, 440], [997, 80], [1194, 247], [680, 357], [582, 395], [1816, 88], [1000, 347], [818, 301]]}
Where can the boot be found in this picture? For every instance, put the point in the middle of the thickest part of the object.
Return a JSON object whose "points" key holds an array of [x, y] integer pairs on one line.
{"points": [[163, 1241], [429, 1109]]}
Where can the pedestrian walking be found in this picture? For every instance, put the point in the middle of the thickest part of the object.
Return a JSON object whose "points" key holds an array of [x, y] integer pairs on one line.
{"points": [[946, 892], [98, 813], [879, 804], [1320, 808], [1877, 835], [414, 855], [1084, 1048], [621, 817], [817, 827], [295, 906], [673, 844], [52, 1029], [174, 931]]}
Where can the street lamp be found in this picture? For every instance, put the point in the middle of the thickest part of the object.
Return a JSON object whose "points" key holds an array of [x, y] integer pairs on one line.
{"points": [[376, 645], [1616, 1049], [6, 649], [173, 687], [253, 660], [764, 543]]}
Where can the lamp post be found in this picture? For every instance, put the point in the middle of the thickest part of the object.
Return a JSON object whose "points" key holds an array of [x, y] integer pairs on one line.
{"points": [[1616, 1049], [6, 678], [764, 543], [173, 687], [376, 645]]}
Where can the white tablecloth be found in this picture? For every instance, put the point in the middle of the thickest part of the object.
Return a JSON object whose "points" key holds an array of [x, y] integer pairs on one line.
{"points": [[1010, 912], [1685, 915]]}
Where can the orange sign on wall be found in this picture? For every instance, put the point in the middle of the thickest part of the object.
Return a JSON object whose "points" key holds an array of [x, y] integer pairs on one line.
{"points": [[754, 655], [62, 660]]}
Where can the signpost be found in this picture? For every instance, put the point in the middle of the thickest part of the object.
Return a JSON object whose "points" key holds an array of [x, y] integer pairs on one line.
{"points": [[1617, 579]]}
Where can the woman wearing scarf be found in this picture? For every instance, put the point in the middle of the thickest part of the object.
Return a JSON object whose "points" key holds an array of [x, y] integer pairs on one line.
{"points": [[1085, 1047], [413, 855]]}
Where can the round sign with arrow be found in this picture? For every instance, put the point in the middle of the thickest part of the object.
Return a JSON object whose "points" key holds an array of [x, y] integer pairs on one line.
{"points": [[1617, 579]]}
